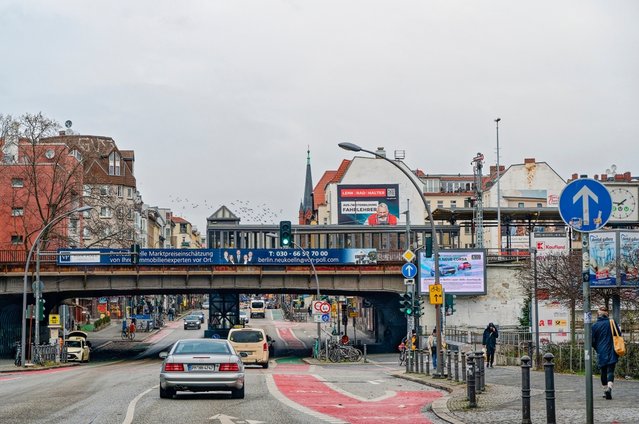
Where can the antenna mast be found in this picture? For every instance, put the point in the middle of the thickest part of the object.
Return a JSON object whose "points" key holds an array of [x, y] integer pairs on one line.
{"points": [[479, 204]]}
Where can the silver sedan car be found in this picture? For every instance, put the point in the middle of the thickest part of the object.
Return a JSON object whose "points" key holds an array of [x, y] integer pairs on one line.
{"points": [[201, 365]]}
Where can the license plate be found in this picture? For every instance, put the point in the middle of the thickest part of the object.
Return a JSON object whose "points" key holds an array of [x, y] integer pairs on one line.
{"points": [[202, 368], [247, 353]]}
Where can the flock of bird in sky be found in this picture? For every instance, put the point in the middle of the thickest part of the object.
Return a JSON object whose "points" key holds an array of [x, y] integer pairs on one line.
{"points": [[248, 212]]}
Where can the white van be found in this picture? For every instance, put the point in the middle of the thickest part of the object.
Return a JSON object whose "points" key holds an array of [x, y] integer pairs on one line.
{"points": [[258, 308]]}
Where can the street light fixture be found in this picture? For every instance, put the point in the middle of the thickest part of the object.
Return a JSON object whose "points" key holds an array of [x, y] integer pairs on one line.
{"points": [[36, 291], [438, 311], [536, 305]]}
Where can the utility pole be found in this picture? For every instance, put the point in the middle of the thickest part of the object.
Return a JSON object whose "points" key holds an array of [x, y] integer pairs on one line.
{"points": [[498, 193]]}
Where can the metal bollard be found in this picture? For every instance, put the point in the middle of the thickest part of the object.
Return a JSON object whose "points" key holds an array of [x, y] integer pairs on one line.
{"points": [[449, 365], [478, 356], [463, 364], [365, 353], [481, 372], [427, 363], [525, 390], [421, 362], [550, 388], [457, 366], [410, 362], [470, 380], [407, 361]]}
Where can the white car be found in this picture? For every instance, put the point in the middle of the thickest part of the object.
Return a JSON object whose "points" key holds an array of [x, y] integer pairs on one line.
{"points": [[244, 318], [205, 305]]}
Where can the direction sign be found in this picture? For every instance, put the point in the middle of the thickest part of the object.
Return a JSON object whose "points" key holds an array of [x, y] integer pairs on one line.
{"points": [[585, 205], [326, 318], [409, 270]]}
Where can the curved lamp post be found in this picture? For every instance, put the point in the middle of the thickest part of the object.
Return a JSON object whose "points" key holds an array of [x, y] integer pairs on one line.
{"points": [[438, 311], [36, 244]]}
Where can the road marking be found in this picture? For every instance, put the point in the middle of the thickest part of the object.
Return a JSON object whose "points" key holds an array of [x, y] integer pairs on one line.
{"points": [[387, 393], [130, 411], [273, 390]]}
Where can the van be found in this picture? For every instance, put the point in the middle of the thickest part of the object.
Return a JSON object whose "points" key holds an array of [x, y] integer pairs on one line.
{"points": [[78, 347], [258, 309], [251, 344]]}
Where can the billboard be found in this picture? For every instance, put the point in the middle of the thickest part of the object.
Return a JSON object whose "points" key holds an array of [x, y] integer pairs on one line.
{"points": [[368, 204], [461, 271], [629, 258], [603, 259], [551, 244], [207, 257]]}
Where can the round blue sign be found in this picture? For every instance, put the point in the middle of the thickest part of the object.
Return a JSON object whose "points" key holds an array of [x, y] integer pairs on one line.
{"points": [[585, 205], [409, 270]]}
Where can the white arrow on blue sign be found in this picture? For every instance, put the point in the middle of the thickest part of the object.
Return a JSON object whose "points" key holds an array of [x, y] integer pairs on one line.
{"points": [[585, 205], [409, 270], [326, 318]]}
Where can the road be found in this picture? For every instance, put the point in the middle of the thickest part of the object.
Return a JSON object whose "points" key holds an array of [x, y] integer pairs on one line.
{"points": [[120, 385]]}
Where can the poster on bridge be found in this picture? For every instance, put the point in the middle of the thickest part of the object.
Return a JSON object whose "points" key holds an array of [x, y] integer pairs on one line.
{"points": [[368, 204]]}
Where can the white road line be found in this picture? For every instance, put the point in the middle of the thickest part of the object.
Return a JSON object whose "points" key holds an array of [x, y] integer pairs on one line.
{"points": [[130, 411], [374, 382], [273, 390], [388, 393]]}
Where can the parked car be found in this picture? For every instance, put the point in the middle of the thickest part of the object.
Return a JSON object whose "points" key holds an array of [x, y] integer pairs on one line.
{"points": [[205, 305], [78, 347], [202, 365], [192, 321], [464, 265], [252, 344], [199, 314], [258, 308]]}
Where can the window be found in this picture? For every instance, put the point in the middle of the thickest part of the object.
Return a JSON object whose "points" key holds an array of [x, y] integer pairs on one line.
{"points": [[86, 214], [86, 233], [453, 204], [105, 212], [129, 193], [16, 239], [520, 204], [104, 190], [17, 212], [114, 163], [440, 204], [539, 205], [183, 228], [119, 190], [17, 182], [73, 226], [86, 190], [76, 154]]}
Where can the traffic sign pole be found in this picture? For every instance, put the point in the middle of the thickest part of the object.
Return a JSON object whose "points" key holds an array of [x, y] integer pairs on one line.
{"points": [[585, 263]]}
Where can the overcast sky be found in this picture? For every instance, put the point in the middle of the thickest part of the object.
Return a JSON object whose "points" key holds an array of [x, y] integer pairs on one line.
{"points": [[220, 99]]}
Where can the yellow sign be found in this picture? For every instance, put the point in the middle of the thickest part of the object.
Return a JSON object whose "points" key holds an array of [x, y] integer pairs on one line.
{"points": [[436, 293], [353, 314], [408, 256], [54, 319]]}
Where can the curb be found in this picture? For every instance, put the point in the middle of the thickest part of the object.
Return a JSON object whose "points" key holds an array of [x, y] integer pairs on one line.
{"points": [[36, 368]]}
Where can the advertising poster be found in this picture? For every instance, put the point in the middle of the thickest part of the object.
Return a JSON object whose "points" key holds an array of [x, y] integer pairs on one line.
{"points": [[548, 244], [629, 257], [603, 259], [554, 322], [207, 257], [368, 204], [461, 271]]}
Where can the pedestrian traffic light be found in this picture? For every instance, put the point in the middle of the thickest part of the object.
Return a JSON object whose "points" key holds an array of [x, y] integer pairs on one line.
{"points": [[417, 309], [135, 254], [286, 235], [449, 300], [406, 302], [40, 309]]}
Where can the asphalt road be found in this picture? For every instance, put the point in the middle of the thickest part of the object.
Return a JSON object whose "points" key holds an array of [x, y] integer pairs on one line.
{"points": [[120, 385]]}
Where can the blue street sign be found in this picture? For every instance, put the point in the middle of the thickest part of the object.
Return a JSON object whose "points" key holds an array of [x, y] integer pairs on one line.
{"points": [[326, 318], [585, 205], [409, 270]]}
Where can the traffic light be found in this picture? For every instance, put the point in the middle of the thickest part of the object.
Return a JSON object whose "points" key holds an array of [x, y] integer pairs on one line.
{"points": [[428, 248], [417, 309], [449, 300], [40, 309], [286, 235], [135, 254], [406, 302]]}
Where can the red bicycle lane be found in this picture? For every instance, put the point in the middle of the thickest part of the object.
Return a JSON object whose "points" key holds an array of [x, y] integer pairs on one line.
{"points": [[313, 393]]}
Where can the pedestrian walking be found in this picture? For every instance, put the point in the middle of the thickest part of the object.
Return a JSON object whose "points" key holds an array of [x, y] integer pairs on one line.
{"points": [[489, 341], [606, 356], [124, 326], [432, 344]]}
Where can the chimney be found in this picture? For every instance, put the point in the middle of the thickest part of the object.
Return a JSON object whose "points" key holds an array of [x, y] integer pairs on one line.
{"points": [[380, 151], [62, 132], [529, 160], [627, 177], [596, 177]]}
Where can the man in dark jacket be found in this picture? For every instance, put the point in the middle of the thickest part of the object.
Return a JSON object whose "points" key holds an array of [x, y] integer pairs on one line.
{"points": [[490, 343], [606, 356]]}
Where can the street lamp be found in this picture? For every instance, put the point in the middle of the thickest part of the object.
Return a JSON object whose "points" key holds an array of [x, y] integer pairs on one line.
{"points": [[36, 291], [498, 193], [536, 300], [438, 311]]}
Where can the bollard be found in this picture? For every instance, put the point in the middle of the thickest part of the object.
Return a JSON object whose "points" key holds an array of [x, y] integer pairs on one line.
{"points": [[463, 364], [481, 372], [449, 365], [365, 353], [427, 363], [457, 366], [525, 390], [470, 380], [478, 356], [407, 361], [550, 388], [421, 361], [410, 362]]}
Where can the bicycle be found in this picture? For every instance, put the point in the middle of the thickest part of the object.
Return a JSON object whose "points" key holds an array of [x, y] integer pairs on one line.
{"points": [[127, 335]]}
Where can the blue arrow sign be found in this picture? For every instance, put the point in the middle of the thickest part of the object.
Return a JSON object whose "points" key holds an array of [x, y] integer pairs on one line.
{"points": [[585, 205], [326, 318], [409, 270]]}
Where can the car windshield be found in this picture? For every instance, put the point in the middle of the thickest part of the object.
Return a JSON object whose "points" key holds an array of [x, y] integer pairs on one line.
{"points": [[192, 318], [257, 305], [74, 343], [188, 348], [246, 336]]}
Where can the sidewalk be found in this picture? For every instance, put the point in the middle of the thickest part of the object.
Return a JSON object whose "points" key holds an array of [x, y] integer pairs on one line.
{"points": [[501, 402]]}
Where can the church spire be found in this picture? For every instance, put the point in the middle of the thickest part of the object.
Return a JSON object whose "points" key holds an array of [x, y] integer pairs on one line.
{"points": [[306, 208]]}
